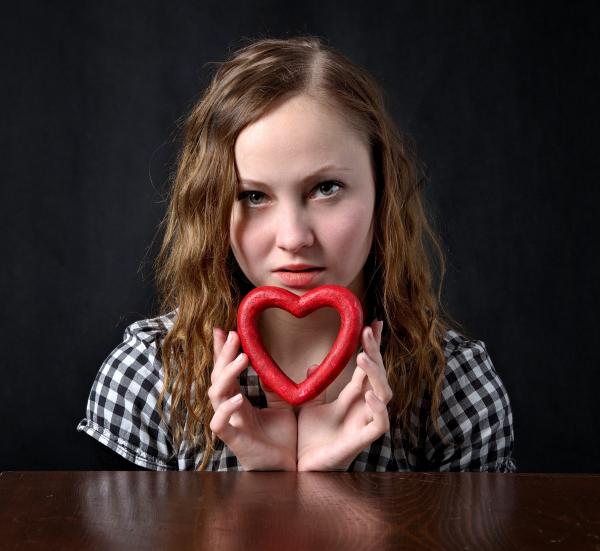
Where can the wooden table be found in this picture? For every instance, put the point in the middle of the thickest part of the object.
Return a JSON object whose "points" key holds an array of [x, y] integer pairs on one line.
{"points": [[290, 511]]}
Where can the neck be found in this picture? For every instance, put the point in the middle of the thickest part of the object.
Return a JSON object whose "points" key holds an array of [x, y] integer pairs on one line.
{"points": [[293, 342]]}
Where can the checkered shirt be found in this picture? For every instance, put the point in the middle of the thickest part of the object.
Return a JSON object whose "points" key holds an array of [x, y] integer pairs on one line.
{"points": [[475, 413]]}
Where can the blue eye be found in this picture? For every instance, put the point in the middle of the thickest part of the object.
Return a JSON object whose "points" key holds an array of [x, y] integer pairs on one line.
{"points": [[322, 186], [329, 184], [244, 194]]}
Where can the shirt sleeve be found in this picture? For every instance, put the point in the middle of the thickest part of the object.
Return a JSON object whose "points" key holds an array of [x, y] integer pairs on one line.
{"points": [[122, 410], [475, 414]]}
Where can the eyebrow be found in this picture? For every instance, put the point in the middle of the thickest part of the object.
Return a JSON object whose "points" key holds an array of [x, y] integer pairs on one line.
{"points": [[324, 168]]}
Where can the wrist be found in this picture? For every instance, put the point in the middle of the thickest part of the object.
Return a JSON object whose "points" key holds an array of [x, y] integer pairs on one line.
{"points": [[312, 462], [279, 460], [288, 460]]}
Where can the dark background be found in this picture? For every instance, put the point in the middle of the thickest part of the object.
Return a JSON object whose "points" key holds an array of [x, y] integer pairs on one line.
{"points": [[501, 99]]}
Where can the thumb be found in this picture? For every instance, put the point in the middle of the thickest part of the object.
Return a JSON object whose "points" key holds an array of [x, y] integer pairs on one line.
{"points": [[311, 370], [320, 399], [265, 387], [274, 401]]}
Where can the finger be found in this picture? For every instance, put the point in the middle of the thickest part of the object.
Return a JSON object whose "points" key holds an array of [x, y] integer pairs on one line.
{"points": [[371, 345], [311, 369], [220, 423], [229, 349], [359, 375], [320, 399], [376, 423], [372, 352], [375, 328], [266, 388], [376, 376], [273, 399], [351, 392], [379, 331], [380, 422], [227, 384], [309, 372], [219, 338]]}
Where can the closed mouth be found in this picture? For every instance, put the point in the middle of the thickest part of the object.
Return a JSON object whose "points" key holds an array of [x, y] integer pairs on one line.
{"points": [[307, 270]]}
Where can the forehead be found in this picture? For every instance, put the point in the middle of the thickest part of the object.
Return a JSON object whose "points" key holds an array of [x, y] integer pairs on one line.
{"points": [[295, 137]]}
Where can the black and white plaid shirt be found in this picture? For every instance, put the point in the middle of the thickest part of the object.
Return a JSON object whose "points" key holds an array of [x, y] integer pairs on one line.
{"points": [[475, 413]]}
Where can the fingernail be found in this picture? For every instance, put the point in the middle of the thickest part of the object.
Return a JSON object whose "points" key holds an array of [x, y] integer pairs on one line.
{"points": [[229, 336], [237, 398]]}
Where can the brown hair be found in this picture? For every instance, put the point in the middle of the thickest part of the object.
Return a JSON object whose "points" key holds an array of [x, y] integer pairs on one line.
{"points": [[195, 268]]}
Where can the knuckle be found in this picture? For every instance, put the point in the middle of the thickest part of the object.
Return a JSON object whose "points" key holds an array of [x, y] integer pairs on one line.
{"points": [[382, 429], [382, 424], [233, 363], [217, 368], [211, 393], [216, 429], [357, 387], [382, 406]]}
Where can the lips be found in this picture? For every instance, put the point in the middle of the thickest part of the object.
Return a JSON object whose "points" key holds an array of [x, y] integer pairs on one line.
{"points": [[295, 271], [298, 267], [300, 278]]}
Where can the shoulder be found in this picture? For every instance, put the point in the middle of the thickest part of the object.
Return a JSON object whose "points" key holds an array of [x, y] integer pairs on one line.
{"points": [[136, 360], [122, 409], [469, 373], [475, 416], [150, 330], [137, 357]]}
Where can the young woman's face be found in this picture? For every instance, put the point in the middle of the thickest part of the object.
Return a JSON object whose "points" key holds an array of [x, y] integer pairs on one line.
{"points": [[306, 196]]}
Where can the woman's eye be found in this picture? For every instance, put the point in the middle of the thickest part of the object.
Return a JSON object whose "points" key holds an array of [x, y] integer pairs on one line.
{"points": [[328, 184], [254, 196], [244, 194]]}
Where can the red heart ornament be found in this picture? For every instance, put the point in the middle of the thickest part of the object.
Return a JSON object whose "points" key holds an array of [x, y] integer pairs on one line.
{"points": [[344, 347]]}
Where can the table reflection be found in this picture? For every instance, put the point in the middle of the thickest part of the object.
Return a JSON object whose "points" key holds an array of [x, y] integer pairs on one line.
{"points": [[304, 510]]}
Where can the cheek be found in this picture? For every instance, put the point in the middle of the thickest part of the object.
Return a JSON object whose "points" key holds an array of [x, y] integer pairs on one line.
{"points": [[248, 237], [352, 229]]}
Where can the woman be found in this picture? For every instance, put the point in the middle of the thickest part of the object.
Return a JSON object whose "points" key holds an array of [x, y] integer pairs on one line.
{"points": [[291, 159]]}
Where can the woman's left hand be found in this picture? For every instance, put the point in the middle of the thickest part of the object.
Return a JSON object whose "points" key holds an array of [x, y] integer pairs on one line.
{"points": [[331, 435]]}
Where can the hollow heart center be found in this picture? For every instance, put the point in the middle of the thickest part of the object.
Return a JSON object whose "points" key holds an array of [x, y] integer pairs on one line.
{"points": [[348, 338], [297, 343]]}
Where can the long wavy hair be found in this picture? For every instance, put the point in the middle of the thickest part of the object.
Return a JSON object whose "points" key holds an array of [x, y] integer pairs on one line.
{"points": [[197, 274]]}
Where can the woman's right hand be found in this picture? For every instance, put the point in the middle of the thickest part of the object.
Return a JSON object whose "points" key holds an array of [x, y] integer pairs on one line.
{"points": [[262, 439]]}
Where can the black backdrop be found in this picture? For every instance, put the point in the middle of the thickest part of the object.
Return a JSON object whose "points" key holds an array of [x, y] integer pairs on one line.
{"points": [[500, 98]]}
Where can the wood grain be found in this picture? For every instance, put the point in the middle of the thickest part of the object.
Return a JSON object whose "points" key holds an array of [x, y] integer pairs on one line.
{"points": [[297, 511]]}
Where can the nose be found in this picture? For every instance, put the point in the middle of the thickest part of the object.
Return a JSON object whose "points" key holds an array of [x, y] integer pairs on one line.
{"points": [[294, 230]]}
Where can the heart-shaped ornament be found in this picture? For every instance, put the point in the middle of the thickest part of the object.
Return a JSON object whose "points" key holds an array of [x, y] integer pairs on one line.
{"points": [[344, 347]]}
